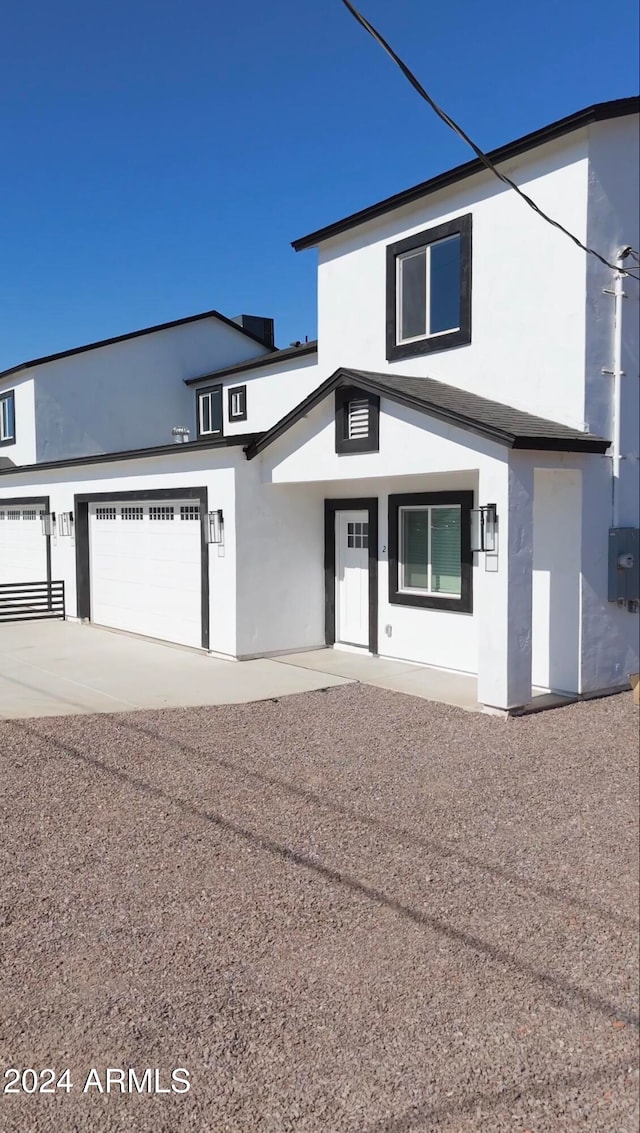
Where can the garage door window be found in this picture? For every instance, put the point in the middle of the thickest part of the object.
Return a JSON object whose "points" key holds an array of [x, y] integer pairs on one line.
{"points": [[190, 511], [131, 512], [160, 513], [105, 513]]}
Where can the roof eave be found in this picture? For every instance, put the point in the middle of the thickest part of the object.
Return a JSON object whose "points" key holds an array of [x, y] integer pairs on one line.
{"points": [[603, 111], [233, 441], [304, 351]]}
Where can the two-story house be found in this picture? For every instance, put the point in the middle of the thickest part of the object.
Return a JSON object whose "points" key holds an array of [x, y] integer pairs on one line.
{"points": [[436, 480]]}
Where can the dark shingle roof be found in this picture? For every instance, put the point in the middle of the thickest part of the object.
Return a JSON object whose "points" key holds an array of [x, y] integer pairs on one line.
{"points": [[294, 351], [492, 419]]}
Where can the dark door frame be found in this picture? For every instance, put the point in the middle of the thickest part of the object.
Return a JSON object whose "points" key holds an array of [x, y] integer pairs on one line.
{"points": [[33, 501], [83, 555], [370, 505]]}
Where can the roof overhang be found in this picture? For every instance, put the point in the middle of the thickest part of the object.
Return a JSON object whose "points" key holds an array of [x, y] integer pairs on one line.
{"points": [[541, 435], [600, 112]]}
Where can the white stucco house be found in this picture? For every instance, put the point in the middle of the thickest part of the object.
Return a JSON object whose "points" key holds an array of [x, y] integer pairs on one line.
{"points": [[449, 476]]}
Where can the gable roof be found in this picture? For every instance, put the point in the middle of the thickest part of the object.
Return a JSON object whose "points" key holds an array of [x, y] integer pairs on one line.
{"points": [[257, 363], [134, 334], [492, 419], [599, 112]]}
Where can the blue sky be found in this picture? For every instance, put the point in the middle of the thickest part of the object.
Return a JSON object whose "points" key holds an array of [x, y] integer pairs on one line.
{"points": [[158, 158]]}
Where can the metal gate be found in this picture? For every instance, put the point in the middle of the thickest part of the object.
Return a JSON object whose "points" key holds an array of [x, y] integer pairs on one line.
{"points": [[26, 601]]}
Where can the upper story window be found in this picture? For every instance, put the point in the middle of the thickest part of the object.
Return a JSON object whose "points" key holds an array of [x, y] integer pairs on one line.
{"points": [[357, 420], [209, 415], [7, 418], [429, 290], [238, 403]]}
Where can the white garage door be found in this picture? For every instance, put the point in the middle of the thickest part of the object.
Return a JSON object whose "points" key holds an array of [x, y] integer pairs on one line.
{"points": [[23, 547], [146, 569]]}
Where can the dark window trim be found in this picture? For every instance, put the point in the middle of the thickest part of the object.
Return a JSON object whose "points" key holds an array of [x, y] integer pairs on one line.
{"points": [[41, 503], [242, 390], [344, 444], [464, 500], [81, 503], [461, 225], [370, 505], [9, 395], [199, 393]]}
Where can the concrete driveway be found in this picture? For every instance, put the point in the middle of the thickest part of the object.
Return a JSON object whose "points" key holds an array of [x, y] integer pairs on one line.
{"points": [[63, 668]]}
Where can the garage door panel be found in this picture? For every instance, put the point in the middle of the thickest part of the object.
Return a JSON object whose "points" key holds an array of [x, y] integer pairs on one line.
{"points": [[23, 547], [146, 572]]}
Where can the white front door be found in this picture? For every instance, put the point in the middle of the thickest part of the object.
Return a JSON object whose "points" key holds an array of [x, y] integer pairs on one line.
{"points": [[352, 577]]}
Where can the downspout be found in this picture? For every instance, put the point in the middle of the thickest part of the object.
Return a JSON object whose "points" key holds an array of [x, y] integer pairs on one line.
{"points": [[617, 373]]}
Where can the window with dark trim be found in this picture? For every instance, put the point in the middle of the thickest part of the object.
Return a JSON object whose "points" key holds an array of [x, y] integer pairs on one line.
{"points": [[7, 417], [430, 559], [429, 290], [357, 420], [237, 403], [209, 411]]}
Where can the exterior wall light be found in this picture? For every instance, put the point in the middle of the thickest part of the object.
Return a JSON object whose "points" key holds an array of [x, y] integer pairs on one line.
{"points": [[215, 530], [48, 520], [65, 523], [484, 525]]}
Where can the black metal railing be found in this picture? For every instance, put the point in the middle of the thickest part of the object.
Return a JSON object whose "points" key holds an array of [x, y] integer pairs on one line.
{"points": [[25, 601]]}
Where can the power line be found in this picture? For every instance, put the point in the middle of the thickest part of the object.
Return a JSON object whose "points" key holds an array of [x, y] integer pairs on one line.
{"points": [[486, 161]]}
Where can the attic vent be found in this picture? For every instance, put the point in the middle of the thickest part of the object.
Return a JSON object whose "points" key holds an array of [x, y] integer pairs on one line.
{"points": [[358, 418]]}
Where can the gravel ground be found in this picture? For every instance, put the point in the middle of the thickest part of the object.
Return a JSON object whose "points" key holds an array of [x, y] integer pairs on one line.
{"points": [[343, 911]]}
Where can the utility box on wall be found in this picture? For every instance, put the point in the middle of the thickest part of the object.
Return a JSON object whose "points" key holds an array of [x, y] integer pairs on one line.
{"points": [[624, 564]]}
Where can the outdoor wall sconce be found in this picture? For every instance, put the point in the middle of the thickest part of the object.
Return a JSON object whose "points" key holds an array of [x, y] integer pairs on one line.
{"points": [[48, 520], [65, 523], [484, 525], [215, 533]]}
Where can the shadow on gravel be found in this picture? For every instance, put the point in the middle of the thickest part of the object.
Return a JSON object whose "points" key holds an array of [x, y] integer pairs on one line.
{"points": [[560, 988], [515, 1095], [408, 836]]}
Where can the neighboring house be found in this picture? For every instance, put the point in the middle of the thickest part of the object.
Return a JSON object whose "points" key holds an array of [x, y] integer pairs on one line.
{"points": [[123, 392], [474, 384]]}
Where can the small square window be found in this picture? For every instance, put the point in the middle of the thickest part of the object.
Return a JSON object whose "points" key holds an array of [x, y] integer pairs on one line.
{"points": [[237, 404], [7, 418], [429, 290]]}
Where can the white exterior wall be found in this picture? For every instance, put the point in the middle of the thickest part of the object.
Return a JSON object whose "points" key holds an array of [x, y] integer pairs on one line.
{"points": [[215, 470], [24, 449], [280, 555], [528, 287], [130, 394], [610, 634], [271, 393], [416, 454]]}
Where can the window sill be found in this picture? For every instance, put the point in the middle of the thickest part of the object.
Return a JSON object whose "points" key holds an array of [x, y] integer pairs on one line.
{"points": [[418, 346], [431, 602]]}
